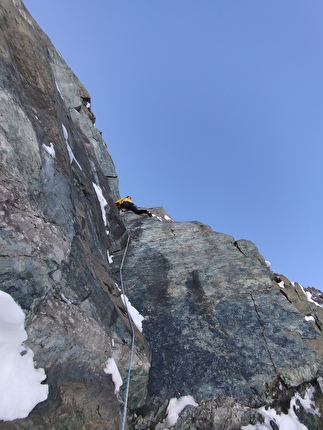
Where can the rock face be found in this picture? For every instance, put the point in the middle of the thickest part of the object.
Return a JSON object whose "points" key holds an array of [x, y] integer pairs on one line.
{"points": [[54, 239], [219, 325]]}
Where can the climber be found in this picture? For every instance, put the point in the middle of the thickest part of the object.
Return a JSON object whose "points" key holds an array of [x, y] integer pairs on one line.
{"points": [[126, 204]]}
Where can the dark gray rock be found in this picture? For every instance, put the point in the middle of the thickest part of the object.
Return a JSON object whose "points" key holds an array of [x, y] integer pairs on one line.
{"points": [[220, 329]]}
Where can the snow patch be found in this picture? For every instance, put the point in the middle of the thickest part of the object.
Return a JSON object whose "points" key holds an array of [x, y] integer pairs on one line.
{"points": [[167, 218], [66, 300], [20, 383], [308, 402], [309, 318], [135, 315], [158, 217], [72, 156], [49, 149], [65, 133], [290, 420], [268, 263], [69, 149], [176, 406], [110, 258], [111, 368], [57, 87], [102, 200], [309, 296]]}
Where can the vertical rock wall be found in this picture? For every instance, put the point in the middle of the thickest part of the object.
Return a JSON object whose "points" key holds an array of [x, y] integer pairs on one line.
{"points": [[54, 240]]}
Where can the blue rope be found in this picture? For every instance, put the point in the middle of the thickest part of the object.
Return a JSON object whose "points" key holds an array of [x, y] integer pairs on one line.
{"points": [[124, 412]]}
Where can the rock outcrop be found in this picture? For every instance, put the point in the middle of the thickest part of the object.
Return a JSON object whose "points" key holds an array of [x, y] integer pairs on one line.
{"points": [[219, 325]]}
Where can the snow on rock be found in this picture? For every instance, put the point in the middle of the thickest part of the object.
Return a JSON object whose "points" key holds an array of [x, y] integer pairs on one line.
{"points": [[175, 407], [135, 315], [69, 149], [288, 421], [102, 201], [49, 149], [65, 133], [167, 218], [110, 258], [307, 403], [112, 369], [309, 318], [308, 296], [57, 87], [20, 383], [66, 300]]}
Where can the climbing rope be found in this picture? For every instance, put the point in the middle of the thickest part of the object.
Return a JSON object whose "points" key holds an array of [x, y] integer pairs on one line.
{"points": [[124, 412]]}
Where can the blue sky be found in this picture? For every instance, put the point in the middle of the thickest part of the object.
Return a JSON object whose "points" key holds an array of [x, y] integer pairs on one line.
{"points": [[212, 109]]}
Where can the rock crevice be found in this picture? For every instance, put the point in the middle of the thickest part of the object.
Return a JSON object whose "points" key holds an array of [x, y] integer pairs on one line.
{"points": [[263, 332]]}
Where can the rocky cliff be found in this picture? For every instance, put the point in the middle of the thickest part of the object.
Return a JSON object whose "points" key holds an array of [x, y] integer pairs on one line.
{"points": [[222, 334]]}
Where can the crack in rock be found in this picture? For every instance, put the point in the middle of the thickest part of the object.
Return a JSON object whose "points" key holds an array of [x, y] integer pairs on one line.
{"points": [[235, 243], [263, 332]]}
